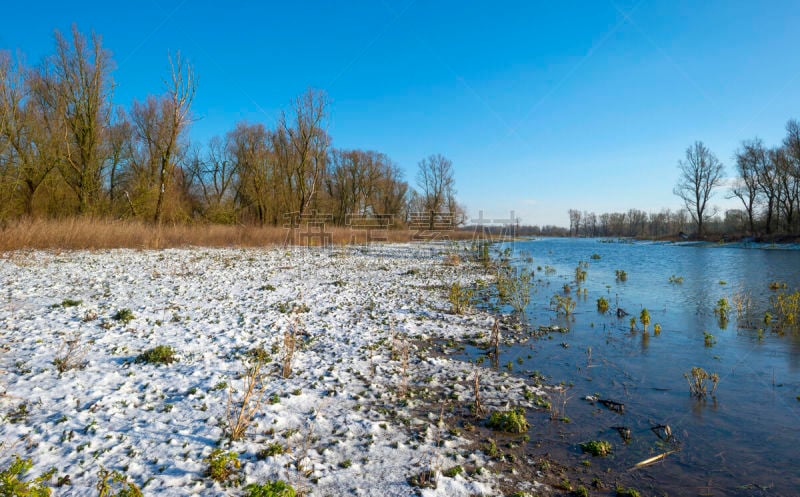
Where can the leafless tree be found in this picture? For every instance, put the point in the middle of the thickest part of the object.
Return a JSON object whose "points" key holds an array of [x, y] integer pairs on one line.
{"points": [[750, 159], [435, 178], [74, 86], [700, 174], [301, 148]]}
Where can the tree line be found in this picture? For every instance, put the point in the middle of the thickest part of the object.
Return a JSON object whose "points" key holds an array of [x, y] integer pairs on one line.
{"points": [[766, 183], [67, 149]]}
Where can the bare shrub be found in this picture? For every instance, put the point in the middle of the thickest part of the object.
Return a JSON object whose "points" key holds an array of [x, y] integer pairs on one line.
{"points": [[71, 354], [240, 413]]}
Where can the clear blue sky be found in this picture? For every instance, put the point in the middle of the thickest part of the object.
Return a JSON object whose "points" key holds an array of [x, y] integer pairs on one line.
{"points": [[542, 106]]}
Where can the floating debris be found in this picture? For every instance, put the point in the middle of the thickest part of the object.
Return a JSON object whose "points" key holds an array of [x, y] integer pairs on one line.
{"points": [[613, 405], [653, 459]]}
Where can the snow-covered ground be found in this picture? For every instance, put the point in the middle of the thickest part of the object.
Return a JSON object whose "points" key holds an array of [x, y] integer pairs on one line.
{"points": [[342, 418]]}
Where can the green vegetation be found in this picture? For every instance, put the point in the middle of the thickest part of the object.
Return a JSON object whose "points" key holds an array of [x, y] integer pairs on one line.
{"points": [[222, 466], [599, 448], [68, 303], [602, 305], [115, 484], [644, 318], [563, 305], [621, 275], [123, 315], [270, 489], [160, 354], [512, 421], [12, 484], [452, 472], [459, 298], [676, 280]]}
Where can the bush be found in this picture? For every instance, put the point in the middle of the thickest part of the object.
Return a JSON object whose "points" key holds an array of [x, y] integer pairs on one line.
{"points": [[270, 489], [11, 484], [512, 421], [459, 298], [160, 354]]}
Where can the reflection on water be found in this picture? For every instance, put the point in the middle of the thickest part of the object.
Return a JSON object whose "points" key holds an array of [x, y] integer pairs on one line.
{"points": [[744, 441]]}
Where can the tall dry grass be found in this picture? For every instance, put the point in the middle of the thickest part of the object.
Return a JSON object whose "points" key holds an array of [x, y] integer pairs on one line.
{"points": [[93, 234]]}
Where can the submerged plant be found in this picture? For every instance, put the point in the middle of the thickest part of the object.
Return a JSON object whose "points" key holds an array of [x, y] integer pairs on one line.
{"points": [[563, 305], [599, 448], [644, 318], [722, 310], [512, 421], [708, 339], [676, 280], [621, 275], [602, 305], [698, 380]]}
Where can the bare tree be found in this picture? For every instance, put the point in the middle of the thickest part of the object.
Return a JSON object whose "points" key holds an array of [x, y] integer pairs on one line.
{"points": [[437, 184], [75, 85], [750, 159], [301, 148], [700, 174], [790, 174]]}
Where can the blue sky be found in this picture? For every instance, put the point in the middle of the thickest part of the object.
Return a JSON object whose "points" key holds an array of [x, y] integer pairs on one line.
{"points": [[541, 106]]}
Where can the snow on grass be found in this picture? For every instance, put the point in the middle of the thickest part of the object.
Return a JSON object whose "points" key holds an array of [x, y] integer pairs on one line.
{"points": [[339, 425]]}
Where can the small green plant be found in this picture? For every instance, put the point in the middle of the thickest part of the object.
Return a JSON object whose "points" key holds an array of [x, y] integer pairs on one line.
{"points": [[676, 280], [708, 339], [453, 472], [626, 492], [644, 318], [123, 315], [621, 275], [514, 287], [345, 464], [68, 303], [633, 324], [786, 310], [160, 354], [599, 448], [580, 491], [222, 466], [12, 485], [273, 449], [512, 421], [459, 298], [115, 484], [657, 329], [595, 257], [580, 274], [602, 305], [777, 285], [722, 311], [270, 489], [698, 379]]}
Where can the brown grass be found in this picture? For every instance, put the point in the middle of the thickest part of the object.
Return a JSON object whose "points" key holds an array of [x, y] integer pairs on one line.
{"points": [[92, 234]]}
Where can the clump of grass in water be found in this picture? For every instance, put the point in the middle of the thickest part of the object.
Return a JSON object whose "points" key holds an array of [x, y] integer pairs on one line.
{"points": [[563, 305], [644, 318], [599, 448], [698, 380], [708, 339], [722, 310], [676, 280], [512, 421], [621, 275], [602, 305], [160, 354]]}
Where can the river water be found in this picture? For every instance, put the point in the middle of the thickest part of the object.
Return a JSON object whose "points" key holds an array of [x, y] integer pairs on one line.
{"points": [[745, 440]]}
